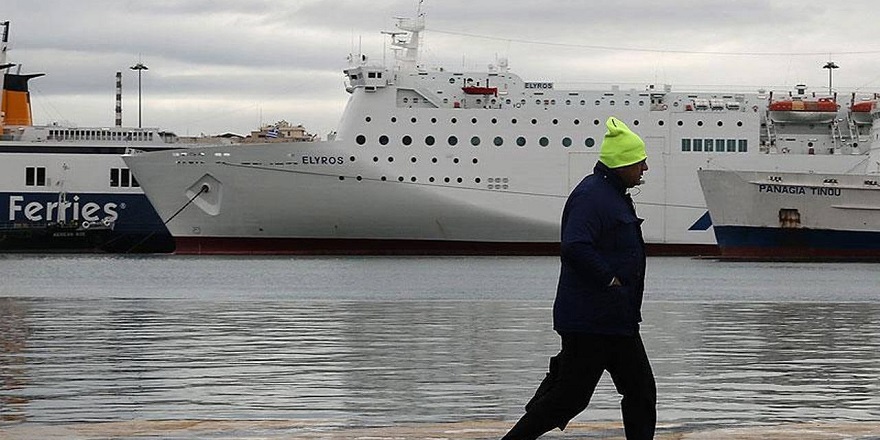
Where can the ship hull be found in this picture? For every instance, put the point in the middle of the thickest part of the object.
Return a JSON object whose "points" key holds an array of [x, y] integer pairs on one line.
{"points": [[136, 229], [775, 216], [780, 244]]}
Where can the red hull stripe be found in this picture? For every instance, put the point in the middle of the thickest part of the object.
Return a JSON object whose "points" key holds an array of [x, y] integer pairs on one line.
{"points": [[306, 246]]}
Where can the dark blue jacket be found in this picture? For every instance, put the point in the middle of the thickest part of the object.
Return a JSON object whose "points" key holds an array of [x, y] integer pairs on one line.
{"points": [[601, 239]]}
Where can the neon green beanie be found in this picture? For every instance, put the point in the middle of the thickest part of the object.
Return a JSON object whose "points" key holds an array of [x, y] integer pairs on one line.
{"points": [[621, 147]]}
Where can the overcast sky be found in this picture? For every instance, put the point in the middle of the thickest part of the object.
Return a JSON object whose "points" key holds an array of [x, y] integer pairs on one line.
{"points": [[228, 65]]}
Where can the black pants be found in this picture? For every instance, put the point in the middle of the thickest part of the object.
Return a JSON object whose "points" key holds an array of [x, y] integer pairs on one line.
{"points": [[574, 374]]}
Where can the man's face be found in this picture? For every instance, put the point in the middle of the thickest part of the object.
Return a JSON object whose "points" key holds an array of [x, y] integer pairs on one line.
{"points": [[632, 174]]}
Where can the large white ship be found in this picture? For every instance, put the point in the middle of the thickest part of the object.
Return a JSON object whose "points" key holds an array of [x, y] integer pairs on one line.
{"points": [[443, 161]]}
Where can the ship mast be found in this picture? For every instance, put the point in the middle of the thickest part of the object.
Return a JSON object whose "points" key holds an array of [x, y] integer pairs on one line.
{"points": [[406, 50]]}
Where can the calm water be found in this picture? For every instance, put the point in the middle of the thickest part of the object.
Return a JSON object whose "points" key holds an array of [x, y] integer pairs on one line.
{"points": [[328, 344]]}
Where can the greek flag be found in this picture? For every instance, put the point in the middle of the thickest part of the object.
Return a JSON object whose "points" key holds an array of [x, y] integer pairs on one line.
{"points": [[273, 133]]}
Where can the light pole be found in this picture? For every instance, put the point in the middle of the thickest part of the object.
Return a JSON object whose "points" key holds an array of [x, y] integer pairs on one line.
{"points": [[139, 67], [830, 66]]}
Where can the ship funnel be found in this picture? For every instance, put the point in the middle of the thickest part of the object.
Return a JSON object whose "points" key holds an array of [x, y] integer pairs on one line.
{"points": [[16, 99]]}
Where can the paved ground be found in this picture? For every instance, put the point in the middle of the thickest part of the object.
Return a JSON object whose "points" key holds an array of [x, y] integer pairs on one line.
{"points": [[471, 430]]}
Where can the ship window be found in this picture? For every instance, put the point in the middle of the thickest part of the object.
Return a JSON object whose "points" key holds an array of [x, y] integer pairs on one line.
{"points": [[595, 122], [498, 141], [544, 141], [708, 145], [743, 145], [589, 142], [731, 145], [361, 139], [475, 141], [456, 160], [699, 123], [429, 140], [685, 145], [555, 121], [597, 102], [583, 102], [698, 145], [413, 120], [566, 142], [475, 161], [521, 141], [719, 145], [577, 122], [125, 177], [454, 120], [452, 140], [433, 120], [114, 177], [394, 118], [611, 102], [406, 140], [680, 123], [474, 120], [371, 74], [567, 102], [636, 122], [477, 180], [375, 158], [534, 121], [513, 121], [383, 140], [451, 80], [35, 176], [494, 120], [661, 123], [739, 123]]}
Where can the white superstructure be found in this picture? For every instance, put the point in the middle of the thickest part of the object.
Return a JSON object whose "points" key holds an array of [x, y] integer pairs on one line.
{"points": [[444, 161]]}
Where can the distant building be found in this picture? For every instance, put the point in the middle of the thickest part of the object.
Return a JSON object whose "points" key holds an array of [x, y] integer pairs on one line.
{"points": [[281, 131]]}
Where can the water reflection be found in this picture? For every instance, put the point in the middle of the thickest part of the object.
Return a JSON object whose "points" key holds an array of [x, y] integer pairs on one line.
{"points": [[369, 363]]}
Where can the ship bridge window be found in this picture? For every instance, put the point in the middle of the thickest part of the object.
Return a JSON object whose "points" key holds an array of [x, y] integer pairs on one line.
{"points": [[731, 145], [35, 176], [708, 145], [719, 145], [685, 145], [698, 145], [743, 145]]}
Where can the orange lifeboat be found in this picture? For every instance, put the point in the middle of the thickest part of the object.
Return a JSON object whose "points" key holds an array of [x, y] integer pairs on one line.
{"points": [[477, 90], [860, 112], [803, 111]]}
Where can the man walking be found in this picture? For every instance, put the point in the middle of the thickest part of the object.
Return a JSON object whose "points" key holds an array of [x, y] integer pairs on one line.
{"points": [[599, 298]]}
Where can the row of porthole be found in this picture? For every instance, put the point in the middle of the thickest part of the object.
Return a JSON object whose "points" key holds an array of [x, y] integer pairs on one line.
{"points": [[413, 159], [407, 140], [414, 179], [554, 121]]}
